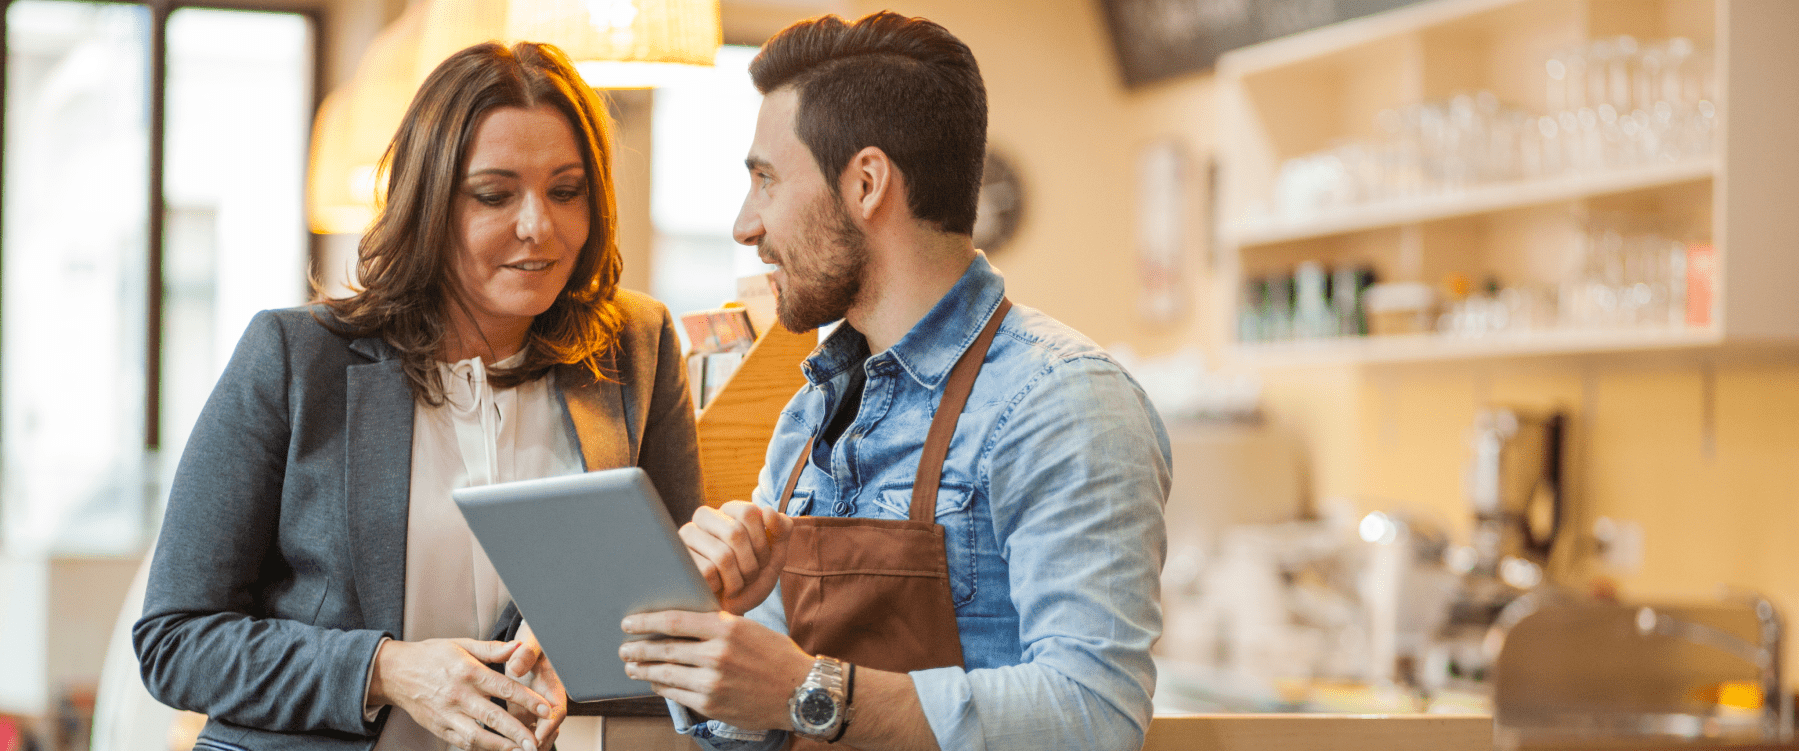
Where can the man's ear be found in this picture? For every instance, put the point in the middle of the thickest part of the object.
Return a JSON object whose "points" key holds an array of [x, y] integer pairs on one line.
{"points": [[869, 182]]}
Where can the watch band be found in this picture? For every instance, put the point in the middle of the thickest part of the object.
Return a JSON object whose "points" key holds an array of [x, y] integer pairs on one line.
{"points": [[849, 703]]}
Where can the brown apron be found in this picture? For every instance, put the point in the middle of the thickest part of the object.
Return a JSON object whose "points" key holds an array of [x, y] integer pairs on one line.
{"points": [[875, 592]]}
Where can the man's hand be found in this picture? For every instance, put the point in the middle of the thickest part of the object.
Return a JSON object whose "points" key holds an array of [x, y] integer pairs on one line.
{"points": [[530, 667], [726, 667], [740, 548], [444, 685]]}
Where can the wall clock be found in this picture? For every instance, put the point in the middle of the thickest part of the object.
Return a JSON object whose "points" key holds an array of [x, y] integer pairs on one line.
{"points": [[1001, 206]]}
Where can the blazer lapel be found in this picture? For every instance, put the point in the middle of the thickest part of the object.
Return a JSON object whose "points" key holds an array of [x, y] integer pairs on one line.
{"points": [[377, 483], [597, 419]]}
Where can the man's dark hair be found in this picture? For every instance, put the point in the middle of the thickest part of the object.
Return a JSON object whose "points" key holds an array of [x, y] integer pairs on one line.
{"points": [[903, 85]]}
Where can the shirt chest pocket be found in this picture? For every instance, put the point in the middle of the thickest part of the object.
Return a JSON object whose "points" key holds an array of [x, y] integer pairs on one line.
{"points": [[955, 511], [800, 504]]}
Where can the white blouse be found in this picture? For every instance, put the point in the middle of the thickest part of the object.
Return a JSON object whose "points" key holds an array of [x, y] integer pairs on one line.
{"points": [[478, 436]]}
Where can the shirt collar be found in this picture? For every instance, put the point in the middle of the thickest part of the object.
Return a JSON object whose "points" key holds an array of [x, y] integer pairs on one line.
{"points": [[931, 348]]}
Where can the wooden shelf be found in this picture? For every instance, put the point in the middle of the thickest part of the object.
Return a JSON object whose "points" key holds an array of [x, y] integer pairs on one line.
{"points": [[1372, 350], [1483, 199]]}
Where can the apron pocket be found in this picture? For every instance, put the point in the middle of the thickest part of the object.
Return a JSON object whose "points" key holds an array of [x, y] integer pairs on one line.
{"points": [[954, 511]]}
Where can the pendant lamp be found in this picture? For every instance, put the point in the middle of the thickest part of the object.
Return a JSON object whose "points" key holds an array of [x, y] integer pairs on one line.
{"points": [[615, 44], [355, 123], [624, 44]]}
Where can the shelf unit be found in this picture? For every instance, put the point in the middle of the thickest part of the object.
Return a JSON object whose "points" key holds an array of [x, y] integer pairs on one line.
{"points": [[1298, 95]]}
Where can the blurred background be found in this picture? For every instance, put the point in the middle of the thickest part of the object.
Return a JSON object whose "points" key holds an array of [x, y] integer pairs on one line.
{"points": [[1475, 322]]}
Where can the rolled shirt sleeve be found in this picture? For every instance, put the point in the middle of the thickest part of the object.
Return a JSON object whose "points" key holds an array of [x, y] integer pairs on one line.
{"points": [[1077, 475]]}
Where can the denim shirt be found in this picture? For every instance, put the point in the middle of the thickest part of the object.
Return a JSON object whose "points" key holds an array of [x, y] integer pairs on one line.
{"points": [[1051, 502]]}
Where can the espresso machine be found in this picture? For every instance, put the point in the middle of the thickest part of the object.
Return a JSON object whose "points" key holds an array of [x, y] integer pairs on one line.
{"points": [[1515, 488], [1515, 485]]}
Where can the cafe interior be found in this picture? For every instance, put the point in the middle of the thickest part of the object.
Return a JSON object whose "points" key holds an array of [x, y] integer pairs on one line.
{"points": [[1474, 324]]}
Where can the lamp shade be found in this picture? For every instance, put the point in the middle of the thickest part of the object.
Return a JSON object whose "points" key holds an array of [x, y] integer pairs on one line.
{"points": [[331, 206], [651, 31], [614, 43], [451, 25], [356, 122]]}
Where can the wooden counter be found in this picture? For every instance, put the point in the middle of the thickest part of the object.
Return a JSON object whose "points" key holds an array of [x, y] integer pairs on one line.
{"points": [[1198, 732], [1646, 744], [1308, 732]]}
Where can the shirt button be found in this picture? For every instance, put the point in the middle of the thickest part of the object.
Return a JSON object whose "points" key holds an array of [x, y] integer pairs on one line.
{"points": [[842, 508]]}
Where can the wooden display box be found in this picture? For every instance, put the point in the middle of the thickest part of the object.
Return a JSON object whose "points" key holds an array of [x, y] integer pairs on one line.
{"points": [[735, 426]]}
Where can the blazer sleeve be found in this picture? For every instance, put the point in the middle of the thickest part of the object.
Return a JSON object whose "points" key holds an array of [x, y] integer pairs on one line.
{"points": [[207, 642], [670, 451]]}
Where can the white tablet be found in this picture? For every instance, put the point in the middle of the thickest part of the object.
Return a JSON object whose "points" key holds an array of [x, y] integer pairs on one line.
{"points": [[579, 553]]}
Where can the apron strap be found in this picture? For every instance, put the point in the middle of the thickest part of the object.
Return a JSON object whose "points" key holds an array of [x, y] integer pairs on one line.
{"points": [[943, 425], [793, 479], [943, 422]]}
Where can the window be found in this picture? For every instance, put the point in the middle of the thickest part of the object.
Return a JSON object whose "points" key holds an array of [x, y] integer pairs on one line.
{"points": [[239, 106], [701, 131], [91, 422]]}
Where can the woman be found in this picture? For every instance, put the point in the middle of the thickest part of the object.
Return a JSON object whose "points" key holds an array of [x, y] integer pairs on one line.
{"points": [[314, 586]]}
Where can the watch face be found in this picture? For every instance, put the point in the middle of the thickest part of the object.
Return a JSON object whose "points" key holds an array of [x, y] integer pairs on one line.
{"points": [[817, 709]]}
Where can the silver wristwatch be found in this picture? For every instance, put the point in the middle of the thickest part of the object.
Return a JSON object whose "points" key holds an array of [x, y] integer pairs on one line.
{"points": [[820, 708]]}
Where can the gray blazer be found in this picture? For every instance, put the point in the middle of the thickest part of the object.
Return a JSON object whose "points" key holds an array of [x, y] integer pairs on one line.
{"points": [[281, 563]]}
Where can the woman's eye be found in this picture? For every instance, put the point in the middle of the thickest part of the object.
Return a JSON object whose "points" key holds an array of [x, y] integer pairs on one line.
{"points": [[492, 199], [567, 194]]}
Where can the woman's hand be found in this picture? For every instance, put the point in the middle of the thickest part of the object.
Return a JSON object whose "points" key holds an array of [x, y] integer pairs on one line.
{"points": [[444, 685], [529, 666], [740, 548]]}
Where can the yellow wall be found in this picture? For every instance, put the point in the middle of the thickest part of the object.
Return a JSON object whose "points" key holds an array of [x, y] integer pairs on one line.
{"points": [[1716, 501], [1391, 436], [1056, 107], [1709, 472]]}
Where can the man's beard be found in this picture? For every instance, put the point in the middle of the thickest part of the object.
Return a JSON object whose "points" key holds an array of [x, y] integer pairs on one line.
{"points": [[823, 270]]}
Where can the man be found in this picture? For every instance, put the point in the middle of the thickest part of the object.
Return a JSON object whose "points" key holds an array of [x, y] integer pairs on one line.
{"points": [[975, 490]]}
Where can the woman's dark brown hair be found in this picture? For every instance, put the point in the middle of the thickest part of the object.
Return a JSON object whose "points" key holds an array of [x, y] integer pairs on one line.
{"points": [[406, 258]]}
